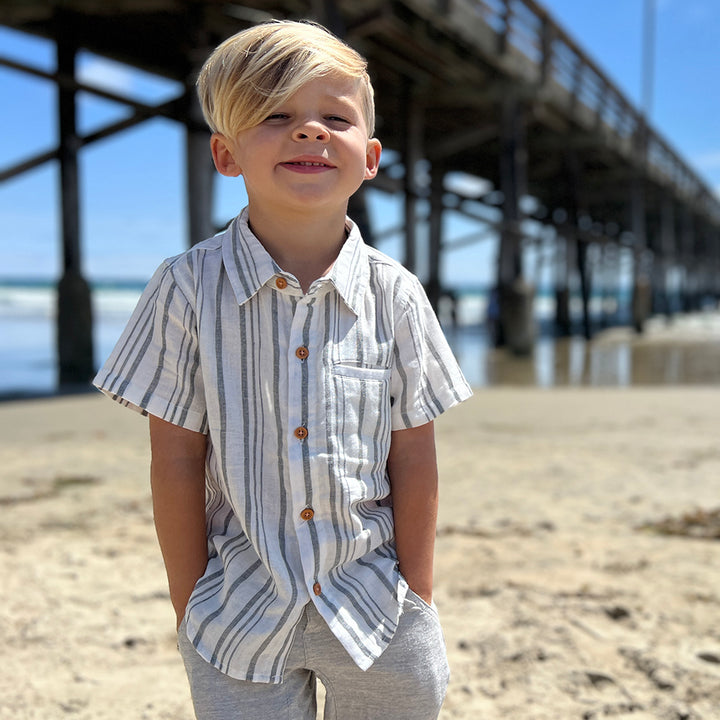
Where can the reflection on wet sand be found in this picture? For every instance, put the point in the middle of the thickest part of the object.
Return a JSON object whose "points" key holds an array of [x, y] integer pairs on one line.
{"points": [[681, 351]]}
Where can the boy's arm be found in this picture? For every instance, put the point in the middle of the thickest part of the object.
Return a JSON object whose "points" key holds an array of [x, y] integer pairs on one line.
{"points": [[412, 467], [177, 476]]}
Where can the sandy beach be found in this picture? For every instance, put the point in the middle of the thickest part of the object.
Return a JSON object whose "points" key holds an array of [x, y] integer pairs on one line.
{"points": [[564, 588]]}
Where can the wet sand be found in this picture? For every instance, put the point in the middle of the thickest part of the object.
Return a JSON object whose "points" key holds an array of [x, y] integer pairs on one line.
{"points": [[559, 596], [683, 350]]}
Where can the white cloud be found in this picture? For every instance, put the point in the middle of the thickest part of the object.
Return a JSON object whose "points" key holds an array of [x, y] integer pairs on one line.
{"points": [[466, 184], [106, 74], [708, 160]]}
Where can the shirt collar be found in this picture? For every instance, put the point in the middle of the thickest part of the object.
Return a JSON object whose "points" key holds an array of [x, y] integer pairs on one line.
{"points": [[351, 271], [250, 266]]}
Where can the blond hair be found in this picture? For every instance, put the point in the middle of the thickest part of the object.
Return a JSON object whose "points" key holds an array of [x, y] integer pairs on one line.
{"points": [[255, 71]]}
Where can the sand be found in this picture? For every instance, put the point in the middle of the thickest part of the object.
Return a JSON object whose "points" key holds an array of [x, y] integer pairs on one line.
{"points": [[556, 601]]}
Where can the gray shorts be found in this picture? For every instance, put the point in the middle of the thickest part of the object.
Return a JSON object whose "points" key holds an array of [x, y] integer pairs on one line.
{"points": [[407, 682]]}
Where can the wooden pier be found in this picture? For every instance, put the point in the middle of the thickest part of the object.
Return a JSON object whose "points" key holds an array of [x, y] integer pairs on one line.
{"points": [[492, 89]]}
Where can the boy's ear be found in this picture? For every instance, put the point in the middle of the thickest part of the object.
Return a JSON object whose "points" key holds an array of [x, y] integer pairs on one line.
{"points": [[223, 156], [372, 158]]}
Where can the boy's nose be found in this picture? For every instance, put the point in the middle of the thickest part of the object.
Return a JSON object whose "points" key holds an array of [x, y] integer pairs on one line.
{"points": [[311, 130]]}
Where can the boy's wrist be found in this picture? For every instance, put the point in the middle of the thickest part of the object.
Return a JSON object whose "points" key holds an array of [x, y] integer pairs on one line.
{"points": [[422, 589]]}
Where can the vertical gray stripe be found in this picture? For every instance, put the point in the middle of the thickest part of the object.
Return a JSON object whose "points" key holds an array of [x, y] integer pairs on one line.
{"points": [[163, 348], [331, 428], [404, 389], [130, 352], [282, 479], [245, 262], [305, 411]]}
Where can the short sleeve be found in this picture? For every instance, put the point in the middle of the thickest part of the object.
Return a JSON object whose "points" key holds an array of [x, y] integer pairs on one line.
{"points": [[426, 379], [155, 365]]}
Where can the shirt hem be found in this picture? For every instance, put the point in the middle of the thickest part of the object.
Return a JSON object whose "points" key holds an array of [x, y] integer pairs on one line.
{"points": [[158, 408], [421, 415]]}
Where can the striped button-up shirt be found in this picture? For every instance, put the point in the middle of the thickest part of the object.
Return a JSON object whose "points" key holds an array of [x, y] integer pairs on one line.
{"points": [[298, 394]]}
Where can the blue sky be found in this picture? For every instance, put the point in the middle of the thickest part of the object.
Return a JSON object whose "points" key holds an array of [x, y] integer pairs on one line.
{"points": [[133, 184]]}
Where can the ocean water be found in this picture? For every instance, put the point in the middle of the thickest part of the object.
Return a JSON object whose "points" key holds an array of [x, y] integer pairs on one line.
{"points": [[27, 344], [27, 331]]}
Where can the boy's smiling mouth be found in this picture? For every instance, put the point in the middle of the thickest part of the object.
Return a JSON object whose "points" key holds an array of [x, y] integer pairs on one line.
{"points": [[306, 164]]}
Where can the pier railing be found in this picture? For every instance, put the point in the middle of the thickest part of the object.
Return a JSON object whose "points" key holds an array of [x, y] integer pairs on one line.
{"points": [[521, 39]]}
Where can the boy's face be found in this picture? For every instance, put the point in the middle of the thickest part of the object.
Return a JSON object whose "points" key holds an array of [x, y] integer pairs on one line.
{"points": [[312, 153]]}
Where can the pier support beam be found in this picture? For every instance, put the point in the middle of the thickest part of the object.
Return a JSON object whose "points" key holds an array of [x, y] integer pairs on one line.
{"points": [[642, 291], [585, 287], [687, 252], [358, 211], [577, 256], [564, 262], [74, 340], [562, 311], [515, 296], [200, 173], [662, 302], [412, 153], [434, 283]]}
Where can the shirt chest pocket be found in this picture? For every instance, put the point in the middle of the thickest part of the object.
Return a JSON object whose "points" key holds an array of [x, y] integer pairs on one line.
{"points": [[362, 398], [361, 372]]}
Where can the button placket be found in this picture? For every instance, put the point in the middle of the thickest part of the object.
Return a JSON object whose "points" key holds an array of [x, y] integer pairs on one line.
{"points": [[301, 426], [296, 370]]}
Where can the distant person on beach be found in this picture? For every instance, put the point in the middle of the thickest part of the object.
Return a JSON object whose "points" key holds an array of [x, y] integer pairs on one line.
{"points": [[292, 375]]}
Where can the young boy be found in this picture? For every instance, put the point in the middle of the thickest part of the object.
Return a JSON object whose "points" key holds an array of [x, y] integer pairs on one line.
{"points": [[291, 375]]}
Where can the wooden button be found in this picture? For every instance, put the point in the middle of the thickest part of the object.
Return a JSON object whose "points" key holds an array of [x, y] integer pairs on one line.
{"points": [[307, 514], [301, 433], [317, 588], [302, 352], [281, 283]]}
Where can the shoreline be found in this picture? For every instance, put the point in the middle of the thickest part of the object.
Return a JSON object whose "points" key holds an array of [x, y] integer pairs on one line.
{"points": [[682, 351], [666, 353]]}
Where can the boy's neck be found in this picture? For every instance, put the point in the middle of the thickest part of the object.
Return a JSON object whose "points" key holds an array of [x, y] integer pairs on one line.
{"points": [[306, 246]]}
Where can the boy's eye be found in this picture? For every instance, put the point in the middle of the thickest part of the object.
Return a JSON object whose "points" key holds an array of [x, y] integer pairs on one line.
{"points": [[282, 116]]}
